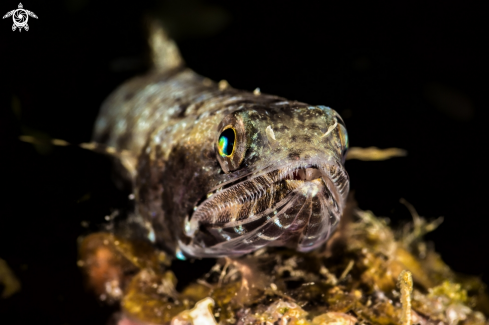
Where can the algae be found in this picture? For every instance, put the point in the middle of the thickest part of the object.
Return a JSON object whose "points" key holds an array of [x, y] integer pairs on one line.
{"points": [[367, 273]]}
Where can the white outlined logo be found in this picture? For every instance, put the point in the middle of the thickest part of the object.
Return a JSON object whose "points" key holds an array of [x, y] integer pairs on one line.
{"points": [[20, 17]]}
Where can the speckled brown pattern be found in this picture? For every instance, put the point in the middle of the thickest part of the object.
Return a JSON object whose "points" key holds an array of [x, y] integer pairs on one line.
{"points": [[284, 185]]}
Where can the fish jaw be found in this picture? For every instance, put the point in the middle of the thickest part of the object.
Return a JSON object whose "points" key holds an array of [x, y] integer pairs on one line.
{"points": [[298, 205]]}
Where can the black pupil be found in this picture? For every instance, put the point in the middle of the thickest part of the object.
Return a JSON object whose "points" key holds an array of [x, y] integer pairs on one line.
{"points": [[227, 140]]}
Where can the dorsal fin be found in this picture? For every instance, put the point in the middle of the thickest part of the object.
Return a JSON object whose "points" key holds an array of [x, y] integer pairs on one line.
{"points": [[163, 51]]}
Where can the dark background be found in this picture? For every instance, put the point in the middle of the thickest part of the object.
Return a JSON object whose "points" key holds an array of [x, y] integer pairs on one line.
{"points": [[403, 74]]}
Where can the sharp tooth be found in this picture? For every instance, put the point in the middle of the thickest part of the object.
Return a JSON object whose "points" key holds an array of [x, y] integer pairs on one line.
{"points": [[209, 195]]}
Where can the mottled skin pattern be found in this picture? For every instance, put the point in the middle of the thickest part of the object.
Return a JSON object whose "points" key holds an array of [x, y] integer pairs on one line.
{"points": [[285, 184]]}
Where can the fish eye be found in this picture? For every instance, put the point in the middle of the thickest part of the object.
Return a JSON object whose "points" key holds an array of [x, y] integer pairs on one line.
{"points": [[231, 142], [340, 120], [227, 142], [343, 135]]}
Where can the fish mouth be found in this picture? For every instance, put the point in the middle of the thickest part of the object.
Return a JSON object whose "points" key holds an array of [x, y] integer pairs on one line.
{"points": [[298, 206]]}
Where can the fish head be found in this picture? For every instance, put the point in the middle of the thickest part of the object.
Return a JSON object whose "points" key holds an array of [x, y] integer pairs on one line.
{"points": [[282, 182]]}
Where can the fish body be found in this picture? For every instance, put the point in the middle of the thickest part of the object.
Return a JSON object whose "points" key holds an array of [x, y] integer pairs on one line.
{"points": [[219, 171]]}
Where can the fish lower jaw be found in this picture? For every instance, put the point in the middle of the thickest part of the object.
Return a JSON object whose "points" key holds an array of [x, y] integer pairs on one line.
{"points": [[298, 178], [303, 218]]}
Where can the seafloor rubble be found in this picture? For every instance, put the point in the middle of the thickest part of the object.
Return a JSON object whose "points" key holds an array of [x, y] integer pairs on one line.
{"points": [[356, 278]]}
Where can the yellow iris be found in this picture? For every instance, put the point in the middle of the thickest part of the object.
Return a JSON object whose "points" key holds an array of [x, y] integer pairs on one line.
{"points": [[227, 141]]}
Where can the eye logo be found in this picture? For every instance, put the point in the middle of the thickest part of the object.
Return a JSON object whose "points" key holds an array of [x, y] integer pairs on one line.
{"points": [[20, 17]]}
